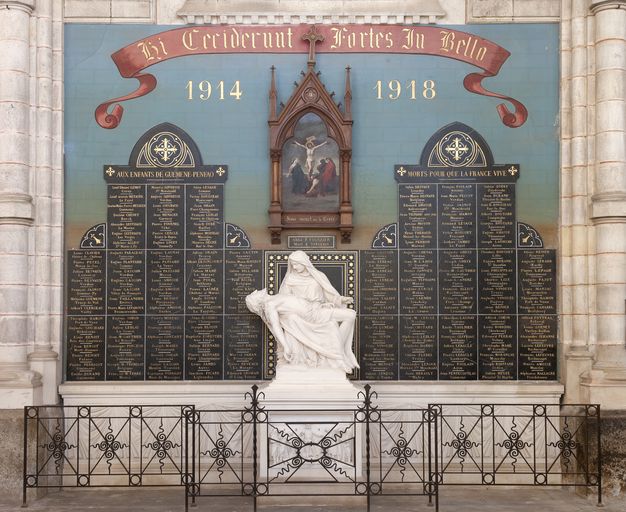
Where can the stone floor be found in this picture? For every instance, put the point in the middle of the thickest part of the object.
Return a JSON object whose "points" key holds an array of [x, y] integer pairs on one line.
{"points": [[452, 499]]}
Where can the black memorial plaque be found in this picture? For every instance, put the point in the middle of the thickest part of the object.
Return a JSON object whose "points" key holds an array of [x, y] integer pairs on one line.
{"points": [[496, 215], [417, 216], [164, 347], [205, 216], [242, 275], [243, 343], [418, 282], [457, 216], [166, 212], [125, 348], [379, 282], [165, 282], [537, 281], [537, 347], [126, 214], [418, 347], [457, 282], [85, 347], [457, 348], [465, 285], [378, 347], [148, 302], [126, 283], [204, 289], [496, 282], [497, 347], [86, 282], [203, 347]]}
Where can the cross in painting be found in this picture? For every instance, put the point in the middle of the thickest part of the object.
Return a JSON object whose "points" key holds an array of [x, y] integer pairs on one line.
{"points": [[312, 36]]}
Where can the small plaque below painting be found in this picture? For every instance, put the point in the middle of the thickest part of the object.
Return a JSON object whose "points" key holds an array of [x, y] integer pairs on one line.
{"points": [[313, 242]]}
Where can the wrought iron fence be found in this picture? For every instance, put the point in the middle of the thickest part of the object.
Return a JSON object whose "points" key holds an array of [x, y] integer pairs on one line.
{"points": [[505, 444], [363, 452], [103, 446]]}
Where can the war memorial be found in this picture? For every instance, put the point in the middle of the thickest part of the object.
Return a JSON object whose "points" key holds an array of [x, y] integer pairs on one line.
{"points": [[290, 250]]}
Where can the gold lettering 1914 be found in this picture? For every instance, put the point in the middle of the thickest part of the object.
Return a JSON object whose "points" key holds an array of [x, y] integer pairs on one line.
{"points": [[204, 89], [393, 89]]}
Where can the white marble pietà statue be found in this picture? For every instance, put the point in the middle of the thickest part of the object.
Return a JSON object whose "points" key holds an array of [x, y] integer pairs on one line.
{"points": [[308, 318]]}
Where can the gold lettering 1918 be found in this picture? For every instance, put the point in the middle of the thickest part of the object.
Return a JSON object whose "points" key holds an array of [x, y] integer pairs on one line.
{"points": [[204, 89], [393, 89]]}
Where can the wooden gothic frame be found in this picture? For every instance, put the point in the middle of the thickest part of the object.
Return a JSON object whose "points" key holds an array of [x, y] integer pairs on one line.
{"points": [[311, 96]]}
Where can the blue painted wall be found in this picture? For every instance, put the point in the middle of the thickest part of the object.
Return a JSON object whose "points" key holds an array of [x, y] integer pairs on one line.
{"points": [[385, 132]]}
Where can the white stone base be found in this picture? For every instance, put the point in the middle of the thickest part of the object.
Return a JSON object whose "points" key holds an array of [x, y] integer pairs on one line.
{"points": [[19, 386], [299, 387], [230, 394], [305, 406], [606, 387]]}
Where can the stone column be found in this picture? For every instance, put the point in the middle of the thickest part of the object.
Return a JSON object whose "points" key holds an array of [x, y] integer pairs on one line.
{"points": [[576, 248], [46, 147], [608, 202], [19, 384]]}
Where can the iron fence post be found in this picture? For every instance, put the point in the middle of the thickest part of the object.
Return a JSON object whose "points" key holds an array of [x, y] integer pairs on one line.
{"points": [[429, 418], [436, 421], [195, 418], [255, 412], [598, 440], [25, 457], [367, 445], [187, 476]]}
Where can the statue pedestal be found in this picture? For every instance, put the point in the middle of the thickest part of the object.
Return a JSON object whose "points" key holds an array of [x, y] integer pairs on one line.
{"points": [[310, 433], [301, 387]]}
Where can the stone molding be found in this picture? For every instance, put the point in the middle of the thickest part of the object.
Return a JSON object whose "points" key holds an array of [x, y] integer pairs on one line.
{"points": [[318, 11], [608, 207], [113, 11], [603, 5], [16, 208], [231, 392], [23, 5], [19, 378], [524, 11], [606, 387]]}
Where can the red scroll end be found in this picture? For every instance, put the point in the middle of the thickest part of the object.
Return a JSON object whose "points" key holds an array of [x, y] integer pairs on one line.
{"points": [[513, 119], [111, 120], [106, 120], [472, 83]]}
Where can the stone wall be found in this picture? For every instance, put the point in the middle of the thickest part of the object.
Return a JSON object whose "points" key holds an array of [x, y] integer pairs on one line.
{"points": [[613, 449], [613, 442]]}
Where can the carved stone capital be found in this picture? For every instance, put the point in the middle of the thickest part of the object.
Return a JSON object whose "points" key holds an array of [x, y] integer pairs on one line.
{"points": [[22, 5], [603, 5]]}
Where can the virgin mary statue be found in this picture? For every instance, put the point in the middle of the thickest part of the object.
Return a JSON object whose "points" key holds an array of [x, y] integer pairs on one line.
{"points": [[308, 317]]}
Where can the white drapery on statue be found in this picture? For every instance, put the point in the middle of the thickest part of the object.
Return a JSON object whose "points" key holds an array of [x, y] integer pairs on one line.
{"points": [[308, 317]]}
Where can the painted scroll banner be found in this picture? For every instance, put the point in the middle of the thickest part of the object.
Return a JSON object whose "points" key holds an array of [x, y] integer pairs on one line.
{"points": [[133, 59]]}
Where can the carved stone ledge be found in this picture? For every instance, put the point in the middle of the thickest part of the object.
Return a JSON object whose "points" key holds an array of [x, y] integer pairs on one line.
{"points": [[23, 5], [608, 207], [16, 208], [506, 11], [318, 11], [603, 5]]}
